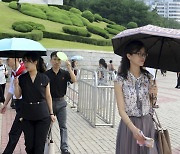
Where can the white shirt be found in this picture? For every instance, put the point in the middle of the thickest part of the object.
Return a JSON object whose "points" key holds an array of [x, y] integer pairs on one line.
{"points": [[11, 86], [2, 74]]}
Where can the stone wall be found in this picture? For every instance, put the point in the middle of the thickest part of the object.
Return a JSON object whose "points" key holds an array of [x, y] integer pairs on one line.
{"points": [[91, 58]]}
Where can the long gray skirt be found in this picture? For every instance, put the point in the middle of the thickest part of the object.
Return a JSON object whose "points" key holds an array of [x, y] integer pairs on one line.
{"points": [[126, 143]]}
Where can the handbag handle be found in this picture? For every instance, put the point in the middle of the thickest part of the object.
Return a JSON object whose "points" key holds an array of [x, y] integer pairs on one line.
{"points": [[50, 132], [156, 121]]}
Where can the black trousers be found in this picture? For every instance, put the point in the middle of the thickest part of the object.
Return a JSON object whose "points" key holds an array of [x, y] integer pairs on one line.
{"points": [[14, 133], [35, 133]]}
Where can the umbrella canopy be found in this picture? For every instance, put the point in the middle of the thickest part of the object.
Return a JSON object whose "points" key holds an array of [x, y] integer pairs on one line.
{"points": [[17, 47], [162, 44], [77, 58]]}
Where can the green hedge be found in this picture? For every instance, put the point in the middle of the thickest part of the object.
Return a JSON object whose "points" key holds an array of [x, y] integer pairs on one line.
{"points": [[27, 26], [88, 15], [57, 17], [117, 27], [84, 20], [64, 7], [112, 31], [34, 35], [108, 21], [76, 31], [32, 11], [76, 20], [13, 5], [97, 17], [74, 10], [98, 31], [132, 25], [75, 38]]}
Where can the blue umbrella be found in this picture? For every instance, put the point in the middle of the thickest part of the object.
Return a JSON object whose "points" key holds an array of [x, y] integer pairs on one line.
{"points": [[17, 47], [77, 58]]}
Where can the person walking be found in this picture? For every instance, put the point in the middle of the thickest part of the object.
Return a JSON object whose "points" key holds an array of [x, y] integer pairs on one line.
{"points": [[3, 76], [58, 86], [37, 111], [16, 128], [178, 80], [133, 88], [102, 72]]}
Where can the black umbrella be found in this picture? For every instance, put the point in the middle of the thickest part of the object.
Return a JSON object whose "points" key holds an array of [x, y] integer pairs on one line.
{"points": [[162, 44]]}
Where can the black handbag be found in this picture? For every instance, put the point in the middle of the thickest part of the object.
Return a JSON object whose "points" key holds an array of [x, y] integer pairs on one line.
{"points": [[34, 111]]}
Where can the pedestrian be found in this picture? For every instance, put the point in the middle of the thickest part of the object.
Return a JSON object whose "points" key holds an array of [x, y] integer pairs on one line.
{"points": [[3, 76], [16, 128], [74, 65], [178, 80], [163, 72], [37, 111], [102, 72], [111, 70], [132, 89], [58, 86]]}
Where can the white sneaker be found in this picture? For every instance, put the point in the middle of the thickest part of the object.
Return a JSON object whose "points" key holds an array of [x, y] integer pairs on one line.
{"points": [[1, 104]]}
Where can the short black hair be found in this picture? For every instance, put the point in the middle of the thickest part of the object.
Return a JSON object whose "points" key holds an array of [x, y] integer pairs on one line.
{"points": [[53, 54], [110, 61]]}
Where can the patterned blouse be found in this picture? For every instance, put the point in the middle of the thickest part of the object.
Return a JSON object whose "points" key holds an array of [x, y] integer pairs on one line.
{"points": [[130, 94]]}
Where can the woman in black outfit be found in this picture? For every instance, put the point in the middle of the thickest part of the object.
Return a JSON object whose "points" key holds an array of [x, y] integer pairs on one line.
{"points": [[37, 112]]}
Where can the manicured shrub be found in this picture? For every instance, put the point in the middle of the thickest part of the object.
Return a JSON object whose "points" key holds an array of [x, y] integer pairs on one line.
{"points": [[111, 31], [108, 21], [74, 10], [97, 17], [76, 31], [73, 38], [84, 20], [117, 27], [76, 20], [98, 31], [27, 26], [34, 35], [32, 11], [131, 25], [59, 17], [13, 5], [23, 28], [88, 15]]}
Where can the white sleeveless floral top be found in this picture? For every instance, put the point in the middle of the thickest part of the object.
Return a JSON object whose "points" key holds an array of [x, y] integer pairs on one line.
{"points": [[130, 95]]}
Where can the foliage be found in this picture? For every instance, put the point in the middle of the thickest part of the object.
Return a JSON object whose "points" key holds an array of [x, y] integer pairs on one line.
{"points": [[97, 17], [76, 20], [27, 26], [74, 10], [34, 35], [81, 39], [117, 27], [112, 31], [88, 15], [13, 5], [32, 11], [108, 21], [131, 25], [76, 31], [98, 31]]}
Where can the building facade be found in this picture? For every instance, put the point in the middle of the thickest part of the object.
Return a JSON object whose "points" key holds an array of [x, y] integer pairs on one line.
{"points": [[54, 2]]}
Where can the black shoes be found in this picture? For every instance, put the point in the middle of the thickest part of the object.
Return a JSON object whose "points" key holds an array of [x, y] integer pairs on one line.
{"points": [[65, 151]]}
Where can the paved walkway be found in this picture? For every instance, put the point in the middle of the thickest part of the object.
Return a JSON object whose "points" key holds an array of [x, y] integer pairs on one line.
{"points": [[84, 139]]}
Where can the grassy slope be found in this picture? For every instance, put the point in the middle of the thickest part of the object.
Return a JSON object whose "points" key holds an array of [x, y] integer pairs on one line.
{"points": [[8, 16]]}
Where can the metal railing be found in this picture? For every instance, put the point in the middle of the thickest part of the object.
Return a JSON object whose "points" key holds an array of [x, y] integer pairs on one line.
{"points": [[96, 103]]}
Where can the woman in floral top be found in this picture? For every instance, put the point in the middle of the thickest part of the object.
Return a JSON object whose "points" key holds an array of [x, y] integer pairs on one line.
{"points": [[132, 88]]}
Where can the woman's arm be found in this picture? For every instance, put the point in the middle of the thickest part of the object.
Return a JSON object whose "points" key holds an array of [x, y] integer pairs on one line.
{"points": [[123, 114], [49, 102], [17, 88]]}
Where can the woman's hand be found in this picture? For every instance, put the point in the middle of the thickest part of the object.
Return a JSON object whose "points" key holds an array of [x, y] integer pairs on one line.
{"points": [[53, 118], [153, 90], [137, 135], [16, 81]]}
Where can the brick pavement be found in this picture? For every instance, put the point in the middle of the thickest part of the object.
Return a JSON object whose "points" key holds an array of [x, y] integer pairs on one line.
{"points": [[83, 139]]}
